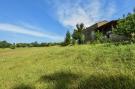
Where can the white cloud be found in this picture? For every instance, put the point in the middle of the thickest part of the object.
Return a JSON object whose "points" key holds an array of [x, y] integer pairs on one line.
{"points": [[71, 12], [27, 31], [111, 10]]}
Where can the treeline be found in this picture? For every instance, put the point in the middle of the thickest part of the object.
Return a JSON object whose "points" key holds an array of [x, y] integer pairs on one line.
{"points": [[5, 44]]}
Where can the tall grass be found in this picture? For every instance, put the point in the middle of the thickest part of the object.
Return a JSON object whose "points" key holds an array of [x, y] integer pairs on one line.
{"points": [[75, 67]]}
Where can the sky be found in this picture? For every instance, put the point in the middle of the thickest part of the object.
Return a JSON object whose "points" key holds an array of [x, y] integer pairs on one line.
{"points": [[49, 20]]}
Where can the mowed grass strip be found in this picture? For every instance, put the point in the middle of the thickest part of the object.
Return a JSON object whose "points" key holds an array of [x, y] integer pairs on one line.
{"points": [[73, 67]]}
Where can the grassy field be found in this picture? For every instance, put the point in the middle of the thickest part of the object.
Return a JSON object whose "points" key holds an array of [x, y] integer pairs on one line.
{"points": [[75, 67]]}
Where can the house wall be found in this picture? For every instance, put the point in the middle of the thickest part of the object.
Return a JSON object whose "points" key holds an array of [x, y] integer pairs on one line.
{"points": [[114, 37], [103, 27], [88, 32]]}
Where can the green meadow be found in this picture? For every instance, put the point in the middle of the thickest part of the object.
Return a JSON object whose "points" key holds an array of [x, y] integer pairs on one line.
{"points": [[73, 67]]}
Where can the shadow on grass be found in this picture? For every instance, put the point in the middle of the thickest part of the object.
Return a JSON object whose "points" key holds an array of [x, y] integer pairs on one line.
{"points": [[107, 82], [22, 86], [67, 80], [60, 80]]}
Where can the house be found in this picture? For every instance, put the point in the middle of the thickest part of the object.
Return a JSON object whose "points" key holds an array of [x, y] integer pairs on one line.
{"points": [[104, 26]]}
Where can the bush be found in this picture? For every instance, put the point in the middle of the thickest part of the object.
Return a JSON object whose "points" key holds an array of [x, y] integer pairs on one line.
{"points": [[4, 44], [12, 46]]}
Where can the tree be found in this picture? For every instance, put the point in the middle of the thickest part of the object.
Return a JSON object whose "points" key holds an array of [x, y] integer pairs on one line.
{"points": [[68, 38], [4, 44], [126, 26], [81, 39], [35, 44], [78, 33], [99, 36], [13, 46]]}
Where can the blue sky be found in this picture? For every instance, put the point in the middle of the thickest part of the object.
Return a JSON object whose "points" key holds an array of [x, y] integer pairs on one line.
{"points": [[48, 20]]}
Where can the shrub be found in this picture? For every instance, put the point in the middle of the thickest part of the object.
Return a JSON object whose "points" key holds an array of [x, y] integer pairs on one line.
{"points": [[12, 46]]}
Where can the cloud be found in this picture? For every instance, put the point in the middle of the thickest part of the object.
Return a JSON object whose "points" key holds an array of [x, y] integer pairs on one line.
{"points": [[111, 10], [27, 31], [71, 12]]}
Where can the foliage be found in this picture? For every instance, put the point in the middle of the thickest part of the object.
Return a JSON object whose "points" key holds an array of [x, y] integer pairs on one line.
{"points": [[126, 26], [99, 37], [22, 45], [78, 33], [68, 38], [73, 42], [35, 44], [4, 44], [13, 46]]}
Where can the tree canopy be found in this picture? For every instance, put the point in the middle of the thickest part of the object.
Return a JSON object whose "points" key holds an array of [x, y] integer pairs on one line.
{"points": [[78, 33], [126, 26]]}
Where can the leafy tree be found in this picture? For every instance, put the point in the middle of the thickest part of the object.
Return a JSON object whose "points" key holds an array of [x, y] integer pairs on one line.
{"points": [[68, 38], [22, 45], [78, 33], [126, 26], [13, 46], [81, 39], [35, 44], [73, 41], [4, 44], [43, 44], [75, 34]]}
